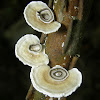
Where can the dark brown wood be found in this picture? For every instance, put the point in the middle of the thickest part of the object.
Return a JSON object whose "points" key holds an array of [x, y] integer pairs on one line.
{"points": [[43, 37], [74, 61], [80, 10], [30, 93], [54, 46], [66, 42]]}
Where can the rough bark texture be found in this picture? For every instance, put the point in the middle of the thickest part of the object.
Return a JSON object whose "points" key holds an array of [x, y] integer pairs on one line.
{"points": [[72, 14]]}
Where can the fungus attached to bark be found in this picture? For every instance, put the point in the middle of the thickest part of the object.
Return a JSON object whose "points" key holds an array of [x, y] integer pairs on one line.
{"points": [[55, 82], [40, 17], [29, 51]]}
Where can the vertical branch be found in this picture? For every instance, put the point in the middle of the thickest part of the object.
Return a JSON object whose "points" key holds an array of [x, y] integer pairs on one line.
{"points": [[43, 37], [64, 50], [50, 3], [73, 7], [63, 3], [74, 60], [80, 14], [30, 93], [69, 35]]}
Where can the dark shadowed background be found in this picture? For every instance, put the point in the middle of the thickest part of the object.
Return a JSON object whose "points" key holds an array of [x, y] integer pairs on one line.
{"points": [[14, 76]]}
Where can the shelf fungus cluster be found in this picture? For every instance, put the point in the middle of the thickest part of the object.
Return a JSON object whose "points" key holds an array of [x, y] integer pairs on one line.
{"points": [[40, 17], [55, 82], [29, 51]]}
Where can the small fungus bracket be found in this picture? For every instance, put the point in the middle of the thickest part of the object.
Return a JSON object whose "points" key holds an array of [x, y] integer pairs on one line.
{"points": [[57, 81]]}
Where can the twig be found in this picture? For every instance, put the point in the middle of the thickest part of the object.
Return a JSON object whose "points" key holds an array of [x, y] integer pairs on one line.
{"points": [[60, 14], [73, 7], [30, 93], [64, 50], [80, 12], [42, 39], [74, 60], [50, 3], [63, 3]]}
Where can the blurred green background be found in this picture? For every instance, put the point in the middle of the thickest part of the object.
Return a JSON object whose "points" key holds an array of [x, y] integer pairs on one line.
{"points": [[14, 76]]}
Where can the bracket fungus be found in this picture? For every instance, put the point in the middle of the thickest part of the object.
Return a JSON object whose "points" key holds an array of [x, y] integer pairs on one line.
{"points": [[58, 73], [40, 17], [29, 51], [55, 82]]}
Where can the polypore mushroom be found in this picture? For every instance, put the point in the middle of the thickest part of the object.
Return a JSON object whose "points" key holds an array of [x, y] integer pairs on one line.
{"points": [[55, 82], [29, 51], [40, 17]]}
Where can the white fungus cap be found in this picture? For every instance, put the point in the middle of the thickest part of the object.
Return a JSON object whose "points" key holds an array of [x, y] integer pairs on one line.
{"points": [[29, 51], [40, 17], [44, 83]]}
